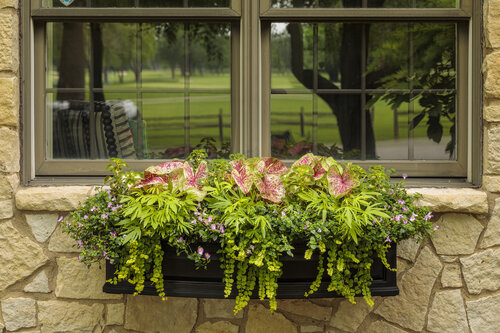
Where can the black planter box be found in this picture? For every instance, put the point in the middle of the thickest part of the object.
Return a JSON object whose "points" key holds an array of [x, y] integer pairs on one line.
{"points": [[183, 280]]}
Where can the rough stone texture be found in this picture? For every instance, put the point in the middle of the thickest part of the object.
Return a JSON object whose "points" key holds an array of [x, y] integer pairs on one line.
{"points": [[75, 280], [218, 308], [408, 249], [491, 110], [261, 320], [305, 308], [447, 313], [491, 72], [449, 259], [217, 327], [492, 143], [151, 314], [9, 40], [42, 225], [492, 234], [9, 149], [464, 200], [115, 314], [451, 276], [9, 103], [6, 209], [18, 313], [40, 284], [482, 271], [63, 198], [7, 185], [415, 290], [61, 242], [492, 23], [58, 316], [457, 234], [311, 329], [483, 314], [491, 183], [383, 327], [349, 316], [20, 256]]}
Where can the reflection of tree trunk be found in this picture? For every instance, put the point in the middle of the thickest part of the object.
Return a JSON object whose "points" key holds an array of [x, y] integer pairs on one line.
{"points": [[72, 65], [97, 52], [172, 70]]}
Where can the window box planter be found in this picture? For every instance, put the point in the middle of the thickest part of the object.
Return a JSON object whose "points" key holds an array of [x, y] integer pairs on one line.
{"points": [[181, 279]]}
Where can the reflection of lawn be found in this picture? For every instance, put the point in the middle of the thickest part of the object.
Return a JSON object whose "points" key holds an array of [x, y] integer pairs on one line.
{"points": [[284, 108]]}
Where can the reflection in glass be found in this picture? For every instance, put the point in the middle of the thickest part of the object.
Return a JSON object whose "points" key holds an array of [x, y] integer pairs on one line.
{"points": [[369, 4], [155, 90], [375, 82]]}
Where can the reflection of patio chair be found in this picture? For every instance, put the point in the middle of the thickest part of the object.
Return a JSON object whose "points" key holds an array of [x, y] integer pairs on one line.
{"points": [[72, 134]]}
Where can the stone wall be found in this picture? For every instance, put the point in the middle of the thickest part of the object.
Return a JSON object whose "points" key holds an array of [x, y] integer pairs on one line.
{"points": [[449, 284]]}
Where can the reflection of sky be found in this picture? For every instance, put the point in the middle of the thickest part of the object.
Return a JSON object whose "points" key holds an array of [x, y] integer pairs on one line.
{"points": [[278, 28]]}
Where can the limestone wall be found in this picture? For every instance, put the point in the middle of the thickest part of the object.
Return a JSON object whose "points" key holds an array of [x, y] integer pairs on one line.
{"points": [[451, 284]]}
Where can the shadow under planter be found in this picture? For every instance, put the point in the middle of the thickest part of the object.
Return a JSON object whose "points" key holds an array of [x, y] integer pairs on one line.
{"points": [[183, 280]]}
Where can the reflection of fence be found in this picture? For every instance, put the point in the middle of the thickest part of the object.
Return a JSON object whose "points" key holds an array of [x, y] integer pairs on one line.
{"points": [[301, 122], [161, 124]]}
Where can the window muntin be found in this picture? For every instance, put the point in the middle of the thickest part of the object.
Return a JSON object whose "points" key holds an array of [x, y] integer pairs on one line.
{"points": [[365, 3], [377, 91], [172, 80], [134, 3]]}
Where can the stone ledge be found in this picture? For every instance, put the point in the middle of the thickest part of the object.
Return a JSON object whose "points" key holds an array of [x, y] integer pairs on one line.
{"points": [[63, 198], [457, 200]]}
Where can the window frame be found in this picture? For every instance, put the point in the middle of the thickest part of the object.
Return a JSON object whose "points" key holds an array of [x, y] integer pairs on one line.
{"points": [[250, 81]]}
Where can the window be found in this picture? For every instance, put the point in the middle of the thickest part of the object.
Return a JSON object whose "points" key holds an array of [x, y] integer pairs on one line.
{"points": [[372, 81]]}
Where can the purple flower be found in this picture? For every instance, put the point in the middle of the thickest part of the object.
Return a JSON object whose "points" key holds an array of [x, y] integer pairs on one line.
{"points": [[209, 220], [80, 258], [319, 230], [213, 227], [93, 209], [252, 247], [401, 202], [221, 229], [374, 221], [283, 213], [104, 216], [436, 227], [305, 227], [79, 225], [110, 205], [397, 218], [405, 221], [388, 239], [112, 234], [180, 240], [193, 221], [405, 209], [200, 251], [60, 219], [207, 255], [113, 199], [428, 216], [85, 217], [196, 213], [104, 253], [80, 243], [404, 175], [412, 217], [249, 251]]}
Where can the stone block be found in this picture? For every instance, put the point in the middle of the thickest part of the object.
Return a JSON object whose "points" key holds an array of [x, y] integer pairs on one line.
{"points": [[7, 185], [491, 70], [75, 280], [492, 23], [217, 327], [150, 314], [408, 249], [462, 200], [491, 143], [9, 149], [481, 271], [58, 316], [40, 284], [491, 111], [483, 314], [457, 234], [42, 225], [311, 329], [451, 276], [54, 199], [9, 3], [115, 314], [305, 308], [415, 290], [261, 320], [20, 256], [491, 183], [61, 242], [383, 327], [18, 313], [6, 209], [349, 316], [9, 40], [9, 101], [492, 234], [447, 313], [220, 308]]}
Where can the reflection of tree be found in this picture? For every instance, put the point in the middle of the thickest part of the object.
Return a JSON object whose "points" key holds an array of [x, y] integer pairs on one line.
{"points": [[72, 63]]}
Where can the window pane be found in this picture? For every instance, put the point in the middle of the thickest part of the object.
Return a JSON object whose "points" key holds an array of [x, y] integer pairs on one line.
{"points": [[164, 86], [365, 4], [379, 90], [135, 3]]}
